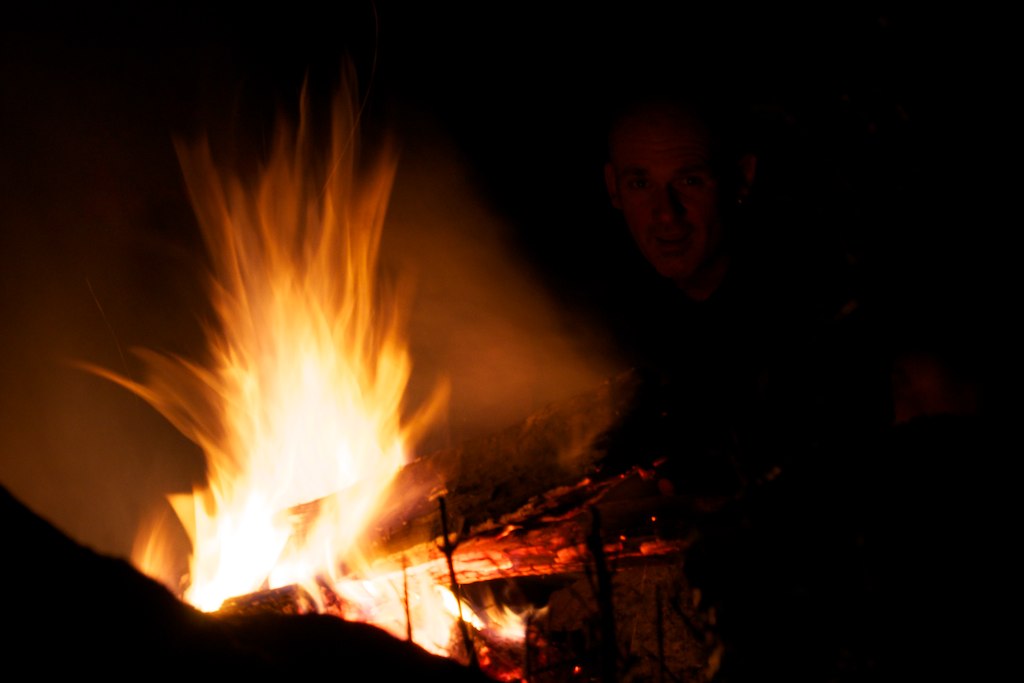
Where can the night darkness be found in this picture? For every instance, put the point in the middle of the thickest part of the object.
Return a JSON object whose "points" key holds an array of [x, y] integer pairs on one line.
{"points": [[876, 121]]}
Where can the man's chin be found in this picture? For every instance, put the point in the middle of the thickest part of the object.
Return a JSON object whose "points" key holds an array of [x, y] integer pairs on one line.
{"points": [[675, 268]]}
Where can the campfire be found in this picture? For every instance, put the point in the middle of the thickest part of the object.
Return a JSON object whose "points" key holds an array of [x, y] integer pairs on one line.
{"points": [[493, 553]]}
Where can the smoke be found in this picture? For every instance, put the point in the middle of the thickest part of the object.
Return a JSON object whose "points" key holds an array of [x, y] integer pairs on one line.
{"points": [[482, 318]]}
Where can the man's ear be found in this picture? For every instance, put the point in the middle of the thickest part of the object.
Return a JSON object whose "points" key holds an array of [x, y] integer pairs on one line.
{"points": [[748, 169], [611, 183]]}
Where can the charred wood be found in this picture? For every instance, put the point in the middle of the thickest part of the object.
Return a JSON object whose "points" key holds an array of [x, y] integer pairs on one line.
{"points": [[487, 478], [549, 534]]}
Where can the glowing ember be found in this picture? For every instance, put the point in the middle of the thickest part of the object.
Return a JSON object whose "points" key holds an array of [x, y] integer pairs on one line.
{"points": [[299, 410]]}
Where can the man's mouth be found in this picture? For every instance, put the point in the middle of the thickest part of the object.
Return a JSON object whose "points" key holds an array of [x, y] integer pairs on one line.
{"points": [[673, 243]]}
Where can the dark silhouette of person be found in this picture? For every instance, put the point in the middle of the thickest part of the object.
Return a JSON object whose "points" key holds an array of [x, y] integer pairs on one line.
{"points": [[764, 382]]}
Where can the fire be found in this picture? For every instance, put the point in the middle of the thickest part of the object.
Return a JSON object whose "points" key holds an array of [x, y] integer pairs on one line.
{"points": [[299, 409], [416, 607], [420, 608]]}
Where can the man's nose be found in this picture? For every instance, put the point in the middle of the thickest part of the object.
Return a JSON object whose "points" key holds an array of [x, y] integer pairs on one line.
{"points": [[665, 205]]}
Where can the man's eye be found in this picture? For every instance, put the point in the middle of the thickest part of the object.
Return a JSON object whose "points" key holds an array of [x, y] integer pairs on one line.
{"points": [[637, 184], [691, 181]]}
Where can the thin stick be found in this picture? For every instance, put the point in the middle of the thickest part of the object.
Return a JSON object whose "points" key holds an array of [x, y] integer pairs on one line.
{"points": [[604, 600], [660, 629], [405, 590], [528, 650], [449, 550]]}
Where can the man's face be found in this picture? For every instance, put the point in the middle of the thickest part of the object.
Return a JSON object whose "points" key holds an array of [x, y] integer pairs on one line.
{"points": [[660, 175]]}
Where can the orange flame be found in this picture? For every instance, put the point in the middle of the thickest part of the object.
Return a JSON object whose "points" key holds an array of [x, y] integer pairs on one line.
{"points": [[299, 412]]}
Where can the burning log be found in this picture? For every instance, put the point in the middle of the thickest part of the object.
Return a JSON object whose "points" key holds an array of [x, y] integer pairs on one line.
{"points": [[549, 534], [491, 477]]}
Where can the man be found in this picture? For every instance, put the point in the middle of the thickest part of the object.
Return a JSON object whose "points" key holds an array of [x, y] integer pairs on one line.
{"points": [[764, 387], [665, 175], [750, 318]]}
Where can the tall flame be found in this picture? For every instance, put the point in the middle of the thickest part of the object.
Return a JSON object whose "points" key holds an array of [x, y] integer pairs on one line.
{"points": [[299, 409]]}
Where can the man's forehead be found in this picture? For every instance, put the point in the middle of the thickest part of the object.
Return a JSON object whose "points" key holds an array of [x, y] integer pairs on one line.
{"points": [[641, 152], [660, 134]]}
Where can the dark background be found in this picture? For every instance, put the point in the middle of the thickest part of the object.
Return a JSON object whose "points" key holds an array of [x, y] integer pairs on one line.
{"points": [[884, 124]]}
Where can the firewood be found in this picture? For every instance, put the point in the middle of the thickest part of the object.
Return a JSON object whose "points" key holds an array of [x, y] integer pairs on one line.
{"points": [[548, 535], [489, 477]]}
